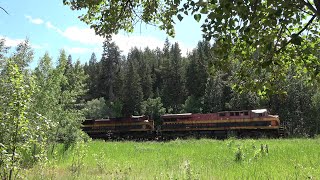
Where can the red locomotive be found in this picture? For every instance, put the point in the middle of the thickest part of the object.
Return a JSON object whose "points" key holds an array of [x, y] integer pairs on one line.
{"points": [[251, 123], [117, 128], [247, 123]]}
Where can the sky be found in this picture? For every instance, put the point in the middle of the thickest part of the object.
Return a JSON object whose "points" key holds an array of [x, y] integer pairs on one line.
{"points": [[50, 26]]}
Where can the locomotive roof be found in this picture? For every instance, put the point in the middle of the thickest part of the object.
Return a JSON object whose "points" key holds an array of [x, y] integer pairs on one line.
{"points": [[177, 115], [189, 114], [259, 110]]}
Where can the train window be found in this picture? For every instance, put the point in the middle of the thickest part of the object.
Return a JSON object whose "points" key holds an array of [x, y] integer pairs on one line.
{"points": [[246, 113], [237, 113], [259, 114], [231, 113], [222, 114]]}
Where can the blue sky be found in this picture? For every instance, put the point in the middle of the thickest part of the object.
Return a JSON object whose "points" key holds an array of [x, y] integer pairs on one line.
{"points": [[50, 26]]}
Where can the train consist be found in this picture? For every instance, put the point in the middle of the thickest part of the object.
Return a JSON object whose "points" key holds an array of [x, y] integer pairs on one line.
{"points": [[248, 123]]}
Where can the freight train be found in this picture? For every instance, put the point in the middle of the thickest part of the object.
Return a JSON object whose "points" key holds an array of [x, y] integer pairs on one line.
{"points": [[247, 123]]}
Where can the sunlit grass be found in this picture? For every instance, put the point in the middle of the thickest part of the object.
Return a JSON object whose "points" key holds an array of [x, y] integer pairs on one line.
{"points": [[190, 159]]}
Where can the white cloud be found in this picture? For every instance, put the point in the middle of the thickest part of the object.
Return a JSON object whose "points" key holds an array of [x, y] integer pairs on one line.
{"points": [[77, 50], [49, 25], [82, 50], [11, 42], [87, 36], [34, 20], [125, 43], [42, 46], [82, 35]]}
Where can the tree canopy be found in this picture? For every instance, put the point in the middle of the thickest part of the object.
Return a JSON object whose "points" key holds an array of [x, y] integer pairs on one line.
{"points": [[261, 35]]}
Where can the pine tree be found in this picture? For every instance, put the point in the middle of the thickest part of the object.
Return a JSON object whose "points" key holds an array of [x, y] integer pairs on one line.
{"points": [[109, 68], [143, 70], [23, 55], [173, 82], [93, 72], [68, 116], [244, 100], [213, 98], [156, 74], [133, 95], [196, 73]]}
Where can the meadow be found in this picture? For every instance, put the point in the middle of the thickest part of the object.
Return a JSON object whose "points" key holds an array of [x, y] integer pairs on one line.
{"points": [[185, 159]]}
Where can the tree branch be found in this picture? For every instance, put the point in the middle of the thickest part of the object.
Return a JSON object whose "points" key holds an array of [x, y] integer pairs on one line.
{"points": [[317, 3], [303, 29], [309, 5], [4, 10]]}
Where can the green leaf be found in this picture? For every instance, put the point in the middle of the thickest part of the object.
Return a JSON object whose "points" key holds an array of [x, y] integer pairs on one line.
{"points": [[211, 15], [180, 17], [204, 10], [197, 17], [269, 46], [266, 64], [296, 39]]}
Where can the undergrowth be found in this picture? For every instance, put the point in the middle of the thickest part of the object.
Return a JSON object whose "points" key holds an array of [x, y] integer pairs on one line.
{"points": [[185, 159]]}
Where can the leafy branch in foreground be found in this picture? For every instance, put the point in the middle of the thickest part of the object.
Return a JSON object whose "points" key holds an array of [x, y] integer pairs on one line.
{"points": [[22, 137], [268, 35]]}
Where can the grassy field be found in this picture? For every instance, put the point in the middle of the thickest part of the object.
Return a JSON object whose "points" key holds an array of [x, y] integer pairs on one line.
{"points": [[186, 159]]}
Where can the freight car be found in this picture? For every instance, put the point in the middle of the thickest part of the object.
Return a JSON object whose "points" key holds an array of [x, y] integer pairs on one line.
{"points": [[247, 123], [134, 127]]}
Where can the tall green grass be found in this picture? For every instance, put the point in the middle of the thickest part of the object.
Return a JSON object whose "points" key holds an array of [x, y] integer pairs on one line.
{"points": [[186, 159]]}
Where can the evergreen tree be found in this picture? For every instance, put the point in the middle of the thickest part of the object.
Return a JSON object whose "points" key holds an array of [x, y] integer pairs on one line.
{"points": [[213, 98], [193, 105], [69, 63], [119, 82], [143, 70], [156, 74], [173, 85], [196, 73], [23, 55], [69, 117], [295, 107], [109, 68], [133, 95], [92, 70], [244, 100]]}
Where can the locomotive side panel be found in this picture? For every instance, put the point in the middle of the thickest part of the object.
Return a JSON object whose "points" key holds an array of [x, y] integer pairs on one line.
{"points": [[115, 128], [240, 123]]}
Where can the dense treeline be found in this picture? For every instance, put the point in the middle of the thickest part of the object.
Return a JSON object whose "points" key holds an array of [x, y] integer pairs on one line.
{"points": [[46, 105], [154, 82]]}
